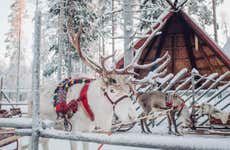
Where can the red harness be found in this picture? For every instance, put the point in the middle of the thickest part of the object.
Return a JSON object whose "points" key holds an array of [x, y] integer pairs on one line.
{"points": [[169, 102], [72, 106]]}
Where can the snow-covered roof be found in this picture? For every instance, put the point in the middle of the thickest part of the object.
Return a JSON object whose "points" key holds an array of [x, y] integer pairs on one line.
{"points": [[193, 48]]}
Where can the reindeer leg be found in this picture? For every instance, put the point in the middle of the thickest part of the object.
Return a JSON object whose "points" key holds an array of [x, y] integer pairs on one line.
{"points": [[142, 126], [85, 145], [210, 123], [45, 144], [169, 123], [147, 127], [172, 113]]}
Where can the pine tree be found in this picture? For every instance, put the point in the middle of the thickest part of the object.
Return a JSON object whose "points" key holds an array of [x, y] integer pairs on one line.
{"points": [[150, 11], [81, 12]]}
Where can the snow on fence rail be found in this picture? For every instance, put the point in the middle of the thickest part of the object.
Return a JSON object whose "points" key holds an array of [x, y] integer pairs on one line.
{"points": [[23, 123], [13, 104], [129, 139]]}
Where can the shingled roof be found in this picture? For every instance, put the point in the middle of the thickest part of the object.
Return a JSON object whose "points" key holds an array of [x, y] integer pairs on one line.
{"points": [[189, 46]]}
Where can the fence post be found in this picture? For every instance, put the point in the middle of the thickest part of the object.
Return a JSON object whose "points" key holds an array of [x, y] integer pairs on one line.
{"points": [[193, 98], [36, 80], [1, 87]]}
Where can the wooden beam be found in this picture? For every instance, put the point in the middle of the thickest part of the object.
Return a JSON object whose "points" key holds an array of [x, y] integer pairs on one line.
{"points": [[211, 56], [8, 140], [208, 68], [182, 4], [171, 4], [175, 3], [187, 33], [173, 53], [207, 59], [148, 49], [218, 56]]}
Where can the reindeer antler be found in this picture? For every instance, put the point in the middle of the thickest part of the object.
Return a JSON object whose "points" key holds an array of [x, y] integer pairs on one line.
{"points": [[104, 59], [159, 72], [75, 41], [101, 69], [134, 64]]}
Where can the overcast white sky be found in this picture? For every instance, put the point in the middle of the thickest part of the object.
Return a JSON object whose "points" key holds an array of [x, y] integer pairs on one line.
{"points": [[4, 12]]}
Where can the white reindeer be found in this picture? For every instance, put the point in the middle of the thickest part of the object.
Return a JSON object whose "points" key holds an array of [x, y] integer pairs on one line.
{"points": [[212, 112], [107, 95]]}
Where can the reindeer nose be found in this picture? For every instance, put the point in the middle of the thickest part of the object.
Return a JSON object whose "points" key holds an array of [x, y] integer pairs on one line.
{"points": [[130, 117]]}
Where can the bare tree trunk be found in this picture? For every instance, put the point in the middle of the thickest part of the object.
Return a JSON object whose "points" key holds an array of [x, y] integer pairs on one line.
{"points": [[60, 39], [225, 26], [69, 69], [214, 20], [128, 28], [36, 80], [113, 30], [1, 87], [19, 49], [103, 46]]}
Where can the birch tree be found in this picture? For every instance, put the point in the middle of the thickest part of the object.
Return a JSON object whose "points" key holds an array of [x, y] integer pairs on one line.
{"points": [[14, 47], [128, 30]]}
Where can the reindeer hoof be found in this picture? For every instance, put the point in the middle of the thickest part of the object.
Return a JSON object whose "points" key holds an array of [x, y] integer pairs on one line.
{"points": [[178, 133], [144, 132]]}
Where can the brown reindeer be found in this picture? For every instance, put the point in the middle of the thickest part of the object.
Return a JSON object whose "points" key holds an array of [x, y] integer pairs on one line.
{"points": [[157, 101]]}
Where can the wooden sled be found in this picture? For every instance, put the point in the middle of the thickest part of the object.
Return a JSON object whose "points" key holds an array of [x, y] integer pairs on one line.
{"points": [[7, 137], [218, 122], [13, 112], [214, 127], [207, 131]]}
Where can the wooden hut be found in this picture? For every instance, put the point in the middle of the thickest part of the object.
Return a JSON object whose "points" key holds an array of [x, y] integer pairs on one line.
{"points": [[188, 45]]}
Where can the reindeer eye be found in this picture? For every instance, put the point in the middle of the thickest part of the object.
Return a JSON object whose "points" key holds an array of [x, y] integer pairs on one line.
{"points": [[112, 91], [112, 80]]}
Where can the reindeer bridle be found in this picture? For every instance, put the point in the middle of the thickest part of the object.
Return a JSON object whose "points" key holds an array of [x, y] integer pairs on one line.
{"points": [[114, 103]]}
